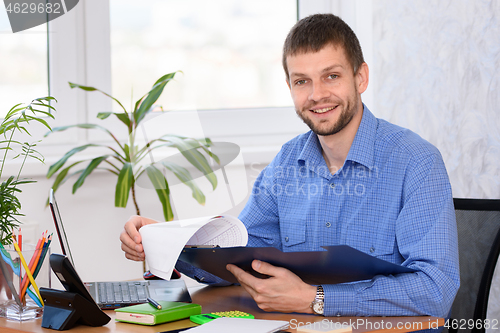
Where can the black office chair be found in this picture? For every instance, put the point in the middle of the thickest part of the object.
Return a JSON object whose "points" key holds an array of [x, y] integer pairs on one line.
{"points": [[478, 222]]}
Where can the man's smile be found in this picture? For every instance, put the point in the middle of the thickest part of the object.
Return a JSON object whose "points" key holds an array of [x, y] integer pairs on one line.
{"points": [[324, 110]]}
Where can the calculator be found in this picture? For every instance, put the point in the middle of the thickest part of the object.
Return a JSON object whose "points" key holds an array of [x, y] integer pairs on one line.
{"points": [[205, 318]]}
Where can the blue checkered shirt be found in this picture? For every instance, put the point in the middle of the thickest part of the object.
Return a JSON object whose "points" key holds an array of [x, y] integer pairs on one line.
{"points": [[391, 199]]}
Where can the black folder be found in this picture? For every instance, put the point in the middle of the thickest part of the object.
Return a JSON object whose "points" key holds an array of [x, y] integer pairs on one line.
{"points": [[337, 264]]}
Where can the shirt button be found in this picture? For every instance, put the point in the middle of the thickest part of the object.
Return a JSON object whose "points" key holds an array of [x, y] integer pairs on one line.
{"points": [[328, 224], [332, 185], [286, 239], [372, 249], [338, 314]]}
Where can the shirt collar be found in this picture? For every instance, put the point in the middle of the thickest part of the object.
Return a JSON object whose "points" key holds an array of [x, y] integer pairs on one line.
{"points": [[361, 151], [362, 148]]}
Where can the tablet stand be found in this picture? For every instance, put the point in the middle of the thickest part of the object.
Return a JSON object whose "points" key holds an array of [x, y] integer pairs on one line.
{"points": [[64, 309]]}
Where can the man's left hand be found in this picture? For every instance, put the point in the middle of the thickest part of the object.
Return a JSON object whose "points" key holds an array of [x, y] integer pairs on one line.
{"points": [[283, 291]]}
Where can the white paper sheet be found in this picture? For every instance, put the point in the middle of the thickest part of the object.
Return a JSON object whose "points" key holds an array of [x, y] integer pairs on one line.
{"points": [[163, 242], [240, 325]]}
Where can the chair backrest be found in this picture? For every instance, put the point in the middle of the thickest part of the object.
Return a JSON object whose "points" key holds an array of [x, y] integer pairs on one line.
{"points": [[478, 223]]}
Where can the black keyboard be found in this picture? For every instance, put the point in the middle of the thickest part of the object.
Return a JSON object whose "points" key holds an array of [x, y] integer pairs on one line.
{"points": [[122, 292]]}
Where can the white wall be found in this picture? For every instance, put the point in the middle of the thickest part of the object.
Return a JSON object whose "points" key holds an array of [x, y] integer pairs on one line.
{"points": [[436, 72]]}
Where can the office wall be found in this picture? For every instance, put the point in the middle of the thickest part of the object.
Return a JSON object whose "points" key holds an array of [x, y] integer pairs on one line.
{"points": [[435, 70]]}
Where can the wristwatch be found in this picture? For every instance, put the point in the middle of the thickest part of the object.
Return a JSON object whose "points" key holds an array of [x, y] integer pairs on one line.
{"points": [[318, 304]]}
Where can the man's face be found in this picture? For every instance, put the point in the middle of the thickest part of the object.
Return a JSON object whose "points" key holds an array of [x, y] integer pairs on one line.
{"points": [[324, 89]]}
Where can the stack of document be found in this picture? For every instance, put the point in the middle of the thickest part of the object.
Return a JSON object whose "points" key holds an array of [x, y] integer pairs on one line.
{"points": [[240, 325]]}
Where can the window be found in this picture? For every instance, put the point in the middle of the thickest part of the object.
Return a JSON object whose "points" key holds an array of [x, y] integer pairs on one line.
{"points": [[228, 50], [23, 66]]}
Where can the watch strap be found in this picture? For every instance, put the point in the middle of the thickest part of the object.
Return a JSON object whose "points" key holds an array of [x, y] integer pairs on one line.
{"points": [[318, 304], [320, 293]]}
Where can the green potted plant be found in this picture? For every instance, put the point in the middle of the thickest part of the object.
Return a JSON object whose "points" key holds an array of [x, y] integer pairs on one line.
{"points": [[126, 159], [12, 304], [16, 120]]}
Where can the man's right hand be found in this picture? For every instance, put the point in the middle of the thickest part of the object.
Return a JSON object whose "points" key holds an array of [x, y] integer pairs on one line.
{"points": [[131, 238]]}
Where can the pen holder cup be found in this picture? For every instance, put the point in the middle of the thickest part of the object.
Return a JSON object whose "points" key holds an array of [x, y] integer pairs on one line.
{"points": [[14, 303]]}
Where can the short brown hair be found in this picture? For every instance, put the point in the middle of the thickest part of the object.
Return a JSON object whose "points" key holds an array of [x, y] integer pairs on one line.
{"points": [[314, 32]]}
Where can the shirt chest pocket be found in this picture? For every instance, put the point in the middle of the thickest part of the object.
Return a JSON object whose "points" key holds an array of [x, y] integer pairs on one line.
{"points": [[293, 231]]}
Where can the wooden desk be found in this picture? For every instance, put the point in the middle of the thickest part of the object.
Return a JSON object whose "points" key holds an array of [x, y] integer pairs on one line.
{"points": [[235, 298]]}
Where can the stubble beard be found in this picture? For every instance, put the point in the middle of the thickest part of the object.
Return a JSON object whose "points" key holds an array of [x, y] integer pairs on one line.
{"points": [[345, 117]]}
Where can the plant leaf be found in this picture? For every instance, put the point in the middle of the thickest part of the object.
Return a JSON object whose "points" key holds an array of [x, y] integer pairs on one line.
{"points": [[195, 158], [47, 106], [123, 185], [161, 186], [188, 148], [89, 126], [87, 88], [126, 150], [185, 177], [12, 110], [124, 118], [152, 97], [88, 170], [61, 176], [204, 144], [104, 115], [56, 166], [84, 126]]}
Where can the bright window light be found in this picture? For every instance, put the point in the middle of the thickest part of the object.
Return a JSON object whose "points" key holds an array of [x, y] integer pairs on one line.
{"points": [[23, 66], [229, 51]]}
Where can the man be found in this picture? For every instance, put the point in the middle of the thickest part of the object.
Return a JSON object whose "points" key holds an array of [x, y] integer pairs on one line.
{"points": [[353, 179]]}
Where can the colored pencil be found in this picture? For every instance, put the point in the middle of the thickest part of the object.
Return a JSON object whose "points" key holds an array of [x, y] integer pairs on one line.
{"points": [[34, 297], [44, 253], [32, 265], [16, 269], [39, 265], [25, 265], [20, 239]]}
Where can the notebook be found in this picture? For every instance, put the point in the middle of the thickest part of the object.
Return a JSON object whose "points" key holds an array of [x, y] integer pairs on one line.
{"points": [[116, 294], [146, 314]]}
